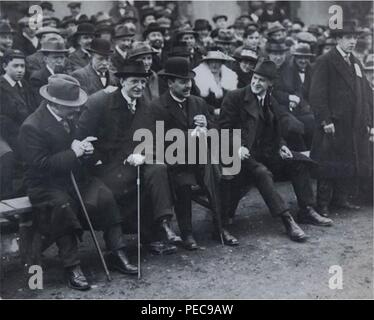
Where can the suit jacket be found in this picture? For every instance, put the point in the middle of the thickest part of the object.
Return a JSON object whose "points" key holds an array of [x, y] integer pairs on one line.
{"points": [[90, 81], [152, 89], [34, 62], [79, 59], [107, 117], [241, 110], [338, 95], [24, 44], [15, 107], [38, 79]]}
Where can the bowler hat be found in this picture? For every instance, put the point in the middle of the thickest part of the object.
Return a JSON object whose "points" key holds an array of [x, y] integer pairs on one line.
{"points": [[6, 28], [153, 27], [219, 16], [147, 12], [139, 49], [179, 50], [47, 5], [349, 27], [202, 24], [101, 47], [64, 90], [302, 50], [57, 46], [132, 68], [85, 28], [267, 69], [177, 67]]}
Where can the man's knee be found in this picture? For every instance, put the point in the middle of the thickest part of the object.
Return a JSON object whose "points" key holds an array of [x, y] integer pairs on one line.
{"points": [[261, 172]]}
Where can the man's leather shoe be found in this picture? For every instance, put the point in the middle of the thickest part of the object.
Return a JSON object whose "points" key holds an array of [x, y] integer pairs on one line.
{"points": [[345, 205], [76, 279], [189, 243], [323, 211], [161, 248], [293, 230], [118, 261], [227, 237], [168, 233], [309, 216]]}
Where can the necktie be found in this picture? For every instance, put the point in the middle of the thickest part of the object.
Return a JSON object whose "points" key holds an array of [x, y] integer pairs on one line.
{"points": [[103, 79], [66, 125], [346, 58], [132, 106], [183, 106]]}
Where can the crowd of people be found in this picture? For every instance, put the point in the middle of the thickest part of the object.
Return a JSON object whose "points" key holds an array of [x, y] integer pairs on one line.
{"points": [[74, 91]]}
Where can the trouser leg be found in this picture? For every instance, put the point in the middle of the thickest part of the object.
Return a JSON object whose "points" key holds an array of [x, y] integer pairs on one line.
{"points": [[68, 250], [325, 188], [113, 238], [183, 209]]}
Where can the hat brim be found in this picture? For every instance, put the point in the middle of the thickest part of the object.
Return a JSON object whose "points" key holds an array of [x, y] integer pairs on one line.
{"points": [[66, 51], [142, 54], [122, 74], [82, 99], [264, 74], [191, 75], [297, 54], [181, 34], [102, 53], [215, 59]]}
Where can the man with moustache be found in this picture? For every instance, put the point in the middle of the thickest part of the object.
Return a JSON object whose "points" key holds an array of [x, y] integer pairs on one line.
{"points": [[113, 116], [263, 151], [123, 41], [154, 35], [96, 76], [343, 112]]}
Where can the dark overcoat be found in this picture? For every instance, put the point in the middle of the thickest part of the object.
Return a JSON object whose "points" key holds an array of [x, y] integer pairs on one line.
{"points": [[338, 95], [79, 59]]}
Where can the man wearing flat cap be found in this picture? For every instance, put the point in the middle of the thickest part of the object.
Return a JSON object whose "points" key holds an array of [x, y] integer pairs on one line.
{"points": [[343, 116], [178, 109], [52, 154], [96, 76], [264, 152], [113, 115]]}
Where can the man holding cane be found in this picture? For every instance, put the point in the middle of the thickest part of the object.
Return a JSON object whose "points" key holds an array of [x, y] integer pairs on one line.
{"points": [[52, 154]]}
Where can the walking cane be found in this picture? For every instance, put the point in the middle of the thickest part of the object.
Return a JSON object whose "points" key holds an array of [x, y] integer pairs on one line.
{"points": [[90, 226], [138, 189]]}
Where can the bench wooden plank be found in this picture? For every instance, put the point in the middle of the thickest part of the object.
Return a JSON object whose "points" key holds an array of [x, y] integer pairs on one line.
{"points": [[4, 208], [19, 205]]}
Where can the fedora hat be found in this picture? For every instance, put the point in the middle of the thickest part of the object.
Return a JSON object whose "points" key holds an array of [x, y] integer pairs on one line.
{"points": [[302, 50], [177, 67], [85, 28], [45, 30], [65, 90], [267, 69], [153, 27], [276, 47], [101, 47], [6, 28], [245, 54], [349, 27], [202, 24], [274, 27], [216, 55], [219, 16], [306, 37], [184, 30], [139, 49], [132, 68], [57, 46]]}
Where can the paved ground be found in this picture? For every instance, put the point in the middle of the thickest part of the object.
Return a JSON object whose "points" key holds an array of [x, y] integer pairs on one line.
{"points": [[266, 264]]}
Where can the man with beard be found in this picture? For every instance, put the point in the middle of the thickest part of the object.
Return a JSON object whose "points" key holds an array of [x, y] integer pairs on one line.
{"points": [[54, 62], [96, 76], [113, 116], [123, 40], [188, 36], [154, 35], [17, 103], [6, 40], [263, 151], [82, 40], [343, 112], [178, 109]]}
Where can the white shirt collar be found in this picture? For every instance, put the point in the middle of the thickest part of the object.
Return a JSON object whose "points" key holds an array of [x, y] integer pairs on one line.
{"points": [[58, 118], [86, 52], [343, 54], [11, 81], [50, 69], [122, 53], [177, 99]]}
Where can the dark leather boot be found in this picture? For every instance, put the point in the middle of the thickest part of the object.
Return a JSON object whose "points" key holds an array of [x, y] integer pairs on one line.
{"points": [[308, 215], [118, 261], [76, 279], [161, 248], [227, 238], [293, 230], [189, 242], [324, 211], [167, 233]]}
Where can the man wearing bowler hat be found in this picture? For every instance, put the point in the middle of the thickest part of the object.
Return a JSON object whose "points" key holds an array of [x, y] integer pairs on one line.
{"points": [[96, 76], [113, 116], [82, 39], [178, 109], [154, 35], [338, 97], [123, 41], [51, 152], [263, 151]]}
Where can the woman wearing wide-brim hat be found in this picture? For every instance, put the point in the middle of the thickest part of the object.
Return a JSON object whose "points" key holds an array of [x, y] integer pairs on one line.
{"points": [[246, 60], [214, 79]]}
